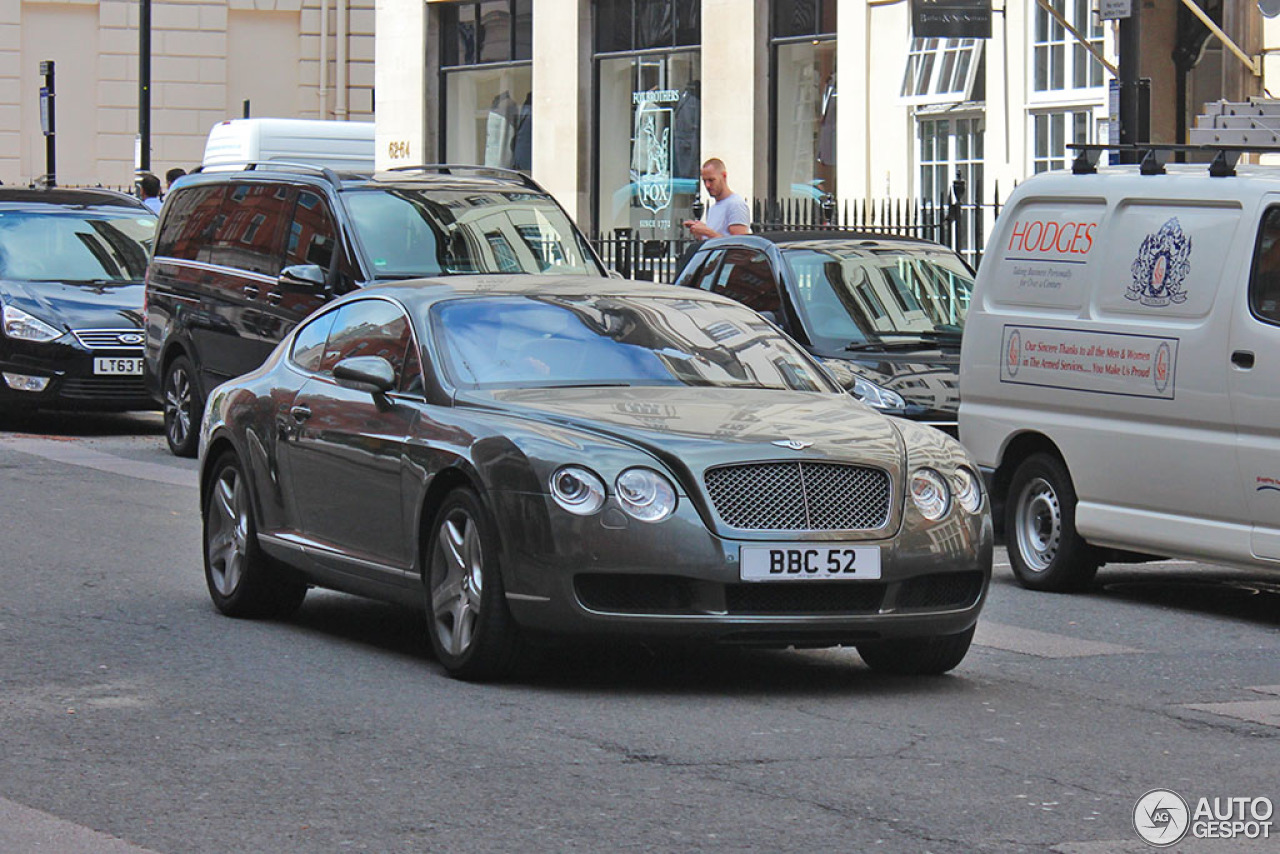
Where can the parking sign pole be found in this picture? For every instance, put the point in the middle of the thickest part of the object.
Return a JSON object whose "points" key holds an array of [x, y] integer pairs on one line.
{"points": [[144, 86], [47, 124]]}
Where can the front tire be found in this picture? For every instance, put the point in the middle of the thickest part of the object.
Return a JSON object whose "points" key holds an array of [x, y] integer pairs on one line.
{"points": [[917, 656], [471, 628], [183, 407], [242, 580], [1045, 550]]}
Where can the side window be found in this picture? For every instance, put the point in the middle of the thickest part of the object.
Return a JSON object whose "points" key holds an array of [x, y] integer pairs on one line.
{"points": [[189, 223], [1264, 288], [247, 232], [702, 278], [370, 327], [747, 277], [312, 236], [308, 344]]}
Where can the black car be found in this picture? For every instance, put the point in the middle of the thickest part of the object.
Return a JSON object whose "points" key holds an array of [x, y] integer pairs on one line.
{"points": [[884, 313], [530, 456], [244, 253], [72, 264]]}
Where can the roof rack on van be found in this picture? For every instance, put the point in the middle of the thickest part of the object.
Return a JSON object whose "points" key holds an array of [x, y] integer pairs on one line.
{"points": [[451, 168], [263, 165], [1156, 154]]}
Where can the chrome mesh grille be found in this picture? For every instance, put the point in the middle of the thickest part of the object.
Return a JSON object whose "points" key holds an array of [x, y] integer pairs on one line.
{"points": [[800, 496], [108, 339]]}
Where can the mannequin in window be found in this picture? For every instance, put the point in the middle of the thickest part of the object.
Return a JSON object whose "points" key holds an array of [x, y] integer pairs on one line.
{"points": [[500, 130], [522, 145], [827, 130]]}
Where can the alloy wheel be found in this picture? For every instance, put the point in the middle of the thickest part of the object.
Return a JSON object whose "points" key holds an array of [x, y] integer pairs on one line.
{"points": [[228, 535], [457, 581], [177, 406]]}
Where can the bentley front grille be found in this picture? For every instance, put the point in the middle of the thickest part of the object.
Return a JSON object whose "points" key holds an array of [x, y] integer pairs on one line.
{"points": [[800, 496]]}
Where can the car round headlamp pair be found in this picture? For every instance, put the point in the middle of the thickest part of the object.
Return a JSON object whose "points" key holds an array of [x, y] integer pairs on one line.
{"points": [[933, 495], [644, 494]]}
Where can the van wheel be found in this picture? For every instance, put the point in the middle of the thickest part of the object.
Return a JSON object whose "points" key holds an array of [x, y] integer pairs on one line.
{"points": [[183, 408], [1040, 528]]}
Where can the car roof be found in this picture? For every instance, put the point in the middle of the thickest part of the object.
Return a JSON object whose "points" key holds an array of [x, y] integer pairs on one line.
{"points": [[432, 290], [70, 197], [828, 238], [433, 176]]}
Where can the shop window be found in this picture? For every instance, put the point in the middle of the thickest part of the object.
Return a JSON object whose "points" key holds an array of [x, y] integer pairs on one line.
{"points": [[804, 98], [487, 83], [630, 25], [942, 70], [1052, 131]]}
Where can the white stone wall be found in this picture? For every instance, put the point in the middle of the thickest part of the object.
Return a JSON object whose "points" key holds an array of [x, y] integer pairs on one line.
{"points": [[195, 56]]}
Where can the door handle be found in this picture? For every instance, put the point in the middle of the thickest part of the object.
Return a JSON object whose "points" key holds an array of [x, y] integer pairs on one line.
{"points": [[1242, 359], [251, 291], [300, 413], [274, 297]]}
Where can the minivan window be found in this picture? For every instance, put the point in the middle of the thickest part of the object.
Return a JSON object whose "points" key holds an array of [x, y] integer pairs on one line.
{"points": [[431, 232], [247, 231], [312, 235], [75, 246], [189, 221]]}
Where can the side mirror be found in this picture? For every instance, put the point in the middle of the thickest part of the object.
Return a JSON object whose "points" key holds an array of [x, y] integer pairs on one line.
{"points": [[373, 374], [306, 277]]}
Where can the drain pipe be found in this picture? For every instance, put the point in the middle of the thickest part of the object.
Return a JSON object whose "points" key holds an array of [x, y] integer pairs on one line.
{"points": [[340, 84], [323, 92]]}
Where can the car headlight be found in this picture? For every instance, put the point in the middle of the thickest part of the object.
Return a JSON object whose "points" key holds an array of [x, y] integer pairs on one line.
{"points": [[968, 489], [22, 326], [577, 490], [876, 396], [930, 493], [645, 494]]}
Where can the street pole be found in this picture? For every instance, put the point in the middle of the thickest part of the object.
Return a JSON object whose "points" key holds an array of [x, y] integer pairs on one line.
{"points": [[144, 86], [1130, 48], [48, 125]]}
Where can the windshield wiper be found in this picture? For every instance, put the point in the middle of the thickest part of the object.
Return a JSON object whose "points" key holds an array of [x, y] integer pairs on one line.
{"points": [[864, 346]]}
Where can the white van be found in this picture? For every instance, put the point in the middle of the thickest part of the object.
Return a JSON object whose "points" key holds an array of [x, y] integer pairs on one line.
{"points": [[344, 146], [1121, 369]]}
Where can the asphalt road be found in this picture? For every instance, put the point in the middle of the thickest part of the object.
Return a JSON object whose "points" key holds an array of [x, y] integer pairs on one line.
{"points": [[137, 719]]}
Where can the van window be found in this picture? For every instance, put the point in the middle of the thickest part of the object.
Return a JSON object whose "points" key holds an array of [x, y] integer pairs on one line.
{"points": [[1264, 288], [189, 222], [246, 234], [312, 236]]}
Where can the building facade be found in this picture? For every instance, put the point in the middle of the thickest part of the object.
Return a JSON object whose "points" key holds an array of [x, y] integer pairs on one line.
{"points": [[613, 104], [287, 58]]}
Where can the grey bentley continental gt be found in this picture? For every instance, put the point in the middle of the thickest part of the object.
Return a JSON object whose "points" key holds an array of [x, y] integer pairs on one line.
{"points": [[524, 456]]}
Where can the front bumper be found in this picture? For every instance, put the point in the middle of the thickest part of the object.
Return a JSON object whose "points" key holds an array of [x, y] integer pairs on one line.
{"points": [[609, 574], [73, 382]]}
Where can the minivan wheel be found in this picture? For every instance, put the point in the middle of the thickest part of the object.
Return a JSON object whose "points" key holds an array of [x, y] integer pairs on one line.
{"points": [[183, 408], [471, 628], [1045, 551], [242, 580]]}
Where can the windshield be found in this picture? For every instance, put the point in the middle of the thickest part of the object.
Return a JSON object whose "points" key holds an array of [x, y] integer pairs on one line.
{"points": [[75, 245], [547, 341], [408, 233], [864, 292]]}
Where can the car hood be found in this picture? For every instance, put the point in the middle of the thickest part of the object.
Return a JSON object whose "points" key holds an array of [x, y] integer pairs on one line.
{"points": [[700, 427], [927, 381], [114, 306]]}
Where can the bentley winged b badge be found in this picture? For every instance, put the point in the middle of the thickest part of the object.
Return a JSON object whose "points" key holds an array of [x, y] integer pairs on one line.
{"points": [[793, 444]]}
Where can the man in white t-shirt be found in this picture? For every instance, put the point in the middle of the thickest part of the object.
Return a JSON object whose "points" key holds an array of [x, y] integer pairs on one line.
{"points": [[729, 215]]}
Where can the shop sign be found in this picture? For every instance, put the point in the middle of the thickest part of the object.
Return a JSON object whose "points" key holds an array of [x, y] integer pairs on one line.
{"points": [[651, 148], [951, 19]]}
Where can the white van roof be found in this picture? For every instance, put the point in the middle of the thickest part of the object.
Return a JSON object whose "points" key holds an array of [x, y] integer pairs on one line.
{"points": [[338, 145]]}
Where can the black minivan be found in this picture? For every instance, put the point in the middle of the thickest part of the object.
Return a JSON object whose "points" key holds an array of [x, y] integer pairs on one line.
{"points": [[243, 253]]}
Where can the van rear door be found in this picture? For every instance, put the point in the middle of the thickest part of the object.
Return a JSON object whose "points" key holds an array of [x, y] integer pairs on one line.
{"points": [[1254, 355]]}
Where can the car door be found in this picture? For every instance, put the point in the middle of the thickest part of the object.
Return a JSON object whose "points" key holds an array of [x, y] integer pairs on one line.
{"points": [[310, 239], [748, 275], [1254, 354], [345, 455]]}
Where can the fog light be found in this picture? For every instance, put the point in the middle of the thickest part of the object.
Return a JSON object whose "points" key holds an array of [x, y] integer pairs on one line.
{"points": [[24, 382]]}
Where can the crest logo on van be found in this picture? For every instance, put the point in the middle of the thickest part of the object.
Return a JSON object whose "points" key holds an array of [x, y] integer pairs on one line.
{"points": [[1163, 262]]}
